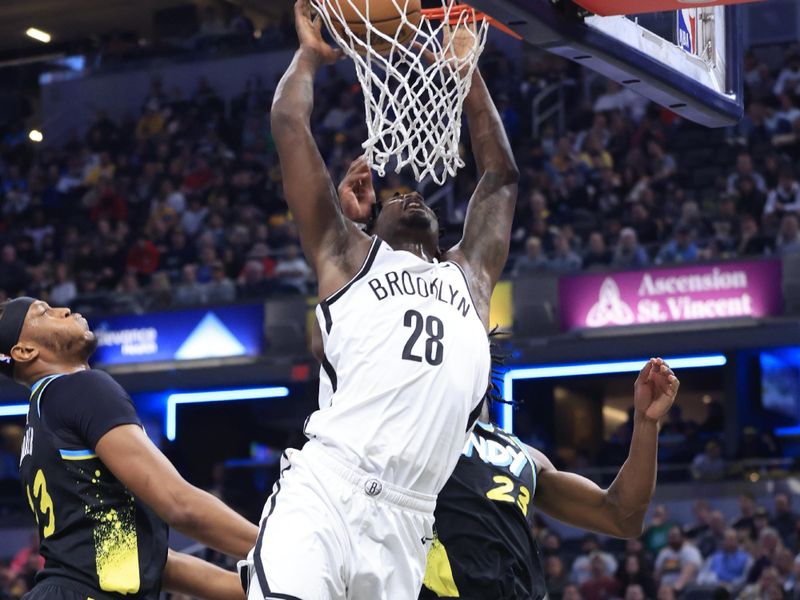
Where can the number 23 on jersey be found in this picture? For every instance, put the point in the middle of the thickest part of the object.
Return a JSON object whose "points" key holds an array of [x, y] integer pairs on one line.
{"points": [[504, 492], [46, 513]]}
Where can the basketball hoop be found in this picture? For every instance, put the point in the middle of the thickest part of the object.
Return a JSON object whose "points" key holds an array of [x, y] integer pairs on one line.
{"points": [[413, 106]]}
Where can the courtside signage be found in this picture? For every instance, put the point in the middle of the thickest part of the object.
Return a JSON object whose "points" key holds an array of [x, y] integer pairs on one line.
{"points": [[716, 291], [223, 332]]}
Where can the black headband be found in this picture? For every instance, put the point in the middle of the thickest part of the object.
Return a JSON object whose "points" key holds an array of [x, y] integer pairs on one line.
{"points": [[12, 319]]}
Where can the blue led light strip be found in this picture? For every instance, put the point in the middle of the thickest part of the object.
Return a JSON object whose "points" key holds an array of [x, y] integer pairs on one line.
{"points": [[173, 400], [583, 369], [14, 410]]}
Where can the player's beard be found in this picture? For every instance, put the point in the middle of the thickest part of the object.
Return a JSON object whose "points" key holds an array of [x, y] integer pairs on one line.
{"points": [[416, 220], [82, 348]]}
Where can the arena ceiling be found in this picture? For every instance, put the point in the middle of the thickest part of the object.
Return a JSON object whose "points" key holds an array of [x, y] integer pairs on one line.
{"points": [[72, 20]]}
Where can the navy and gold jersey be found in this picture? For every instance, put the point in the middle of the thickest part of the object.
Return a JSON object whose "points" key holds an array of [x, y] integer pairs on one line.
{"points": [[96, 538], [483, 547]]}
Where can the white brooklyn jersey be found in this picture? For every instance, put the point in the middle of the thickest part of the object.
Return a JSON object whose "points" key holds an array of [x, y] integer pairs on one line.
{"points": [[406, 365]]}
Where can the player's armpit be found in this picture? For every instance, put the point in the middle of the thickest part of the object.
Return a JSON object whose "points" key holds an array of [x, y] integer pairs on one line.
{"points": [[579, 502], [145, 471], [187, 574]]}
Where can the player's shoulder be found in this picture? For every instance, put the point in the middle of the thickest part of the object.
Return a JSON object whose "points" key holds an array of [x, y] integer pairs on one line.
{"points": [[87, 380]]}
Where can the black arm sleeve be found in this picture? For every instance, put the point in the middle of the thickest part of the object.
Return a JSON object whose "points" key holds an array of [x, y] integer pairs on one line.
{"points": [[81, 408]]}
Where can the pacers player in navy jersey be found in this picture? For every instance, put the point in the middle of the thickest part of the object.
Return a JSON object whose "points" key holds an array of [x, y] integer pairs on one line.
{"points": [[401, 322], [484, 547], [101, 492]]}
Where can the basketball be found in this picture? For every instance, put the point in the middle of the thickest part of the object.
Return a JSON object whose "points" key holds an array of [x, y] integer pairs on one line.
{"points": [[385, 15]]}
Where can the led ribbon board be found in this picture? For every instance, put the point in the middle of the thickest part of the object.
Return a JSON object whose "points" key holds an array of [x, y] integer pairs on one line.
{"points": [[586, 369]]}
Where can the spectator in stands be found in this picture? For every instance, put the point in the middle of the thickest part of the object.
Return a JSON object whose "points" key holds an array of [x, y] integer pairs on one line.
{"points": [[571, 592], [712, 539], [633, 571], [27, 559], [151, 122], [792, 583], [727, 566], [751, 241], [13, 276], [189, 292], [745, 168], [628, 253], [784, 563], [582, 567], [749, 199], [220, 290], [160, 292], [533, 261], [784, 519], [635, 592], [143, 257], [657, 532], [788, 81], [254, 285], [551, 546], [709, 464], [787, 114], [767, 550], [768, 586], [564, 259], [785, 198], [194, 216], [678, 564], [701, 510], [292, 270], [789, 236], [600, 585], [757, 444], [128, 293], [176, 254], [619, 98], [597, 255], [680, 249], [64, 289], [556, 576]]}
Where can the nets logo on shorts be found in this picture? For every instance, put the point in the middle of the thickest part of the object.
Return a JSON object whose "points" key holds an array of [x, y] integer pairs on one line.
{"points": [[373, 487]]}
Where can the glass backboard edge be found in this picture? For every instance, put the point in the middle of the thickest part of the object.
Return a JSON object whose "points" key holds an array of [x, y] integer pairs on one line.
{"points": [[544, 25]]}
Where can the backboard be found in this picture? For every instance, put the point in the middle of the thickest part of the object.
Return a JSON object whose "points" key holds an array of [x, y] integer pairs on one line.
{"points": [[688, 60]]}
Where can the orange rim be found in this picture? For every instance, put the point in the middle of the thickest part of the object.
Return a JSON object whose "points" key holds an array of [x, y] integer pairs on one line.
{"points": [[457, 10]]}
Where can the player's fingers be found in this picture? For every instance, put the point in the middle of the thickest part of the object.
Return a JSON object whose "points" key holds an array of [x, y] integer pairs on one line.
{"points": [[302, 9], [644, 374], [429, 56]]}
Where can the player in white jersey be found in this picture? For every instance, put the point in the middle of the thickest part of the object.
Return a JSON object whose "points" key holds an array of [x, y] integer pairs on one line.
{"points": [[404, 352]]}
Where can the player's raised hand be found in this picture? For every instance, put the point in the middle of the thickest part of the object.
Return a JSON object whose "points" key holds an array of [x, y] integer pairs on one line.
{"points": [[356, 193], [460, 42], [655, 390], [309, 32]]}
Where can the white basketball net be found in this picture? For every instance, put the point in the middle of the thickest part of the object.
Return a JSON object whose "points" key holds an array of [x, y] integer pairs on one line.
{"points": [[413, 107]]}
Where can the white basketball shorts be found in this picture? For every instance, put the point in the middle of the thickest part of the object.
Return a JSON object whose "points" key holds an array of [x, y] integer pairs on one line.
{"points": [[330, 531]]}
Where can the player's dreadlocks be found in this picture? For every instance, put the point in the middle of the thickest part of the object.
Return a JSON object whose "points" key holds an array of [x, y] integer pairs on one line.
{"points": [[494, 391]]}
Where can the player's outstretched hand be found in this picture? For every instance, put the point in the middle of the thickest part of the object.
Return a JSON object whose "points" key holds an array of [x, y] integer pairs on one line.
{"points": [[356, 194], [655, 390], [460, 42], [309, 32]]}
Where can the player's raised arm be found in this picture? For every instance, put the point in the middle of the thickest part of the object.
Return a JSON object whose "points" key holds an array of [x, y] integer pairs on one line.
{"points": [[146, 472], [487, 230], [619, 510], [309, 191]]}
